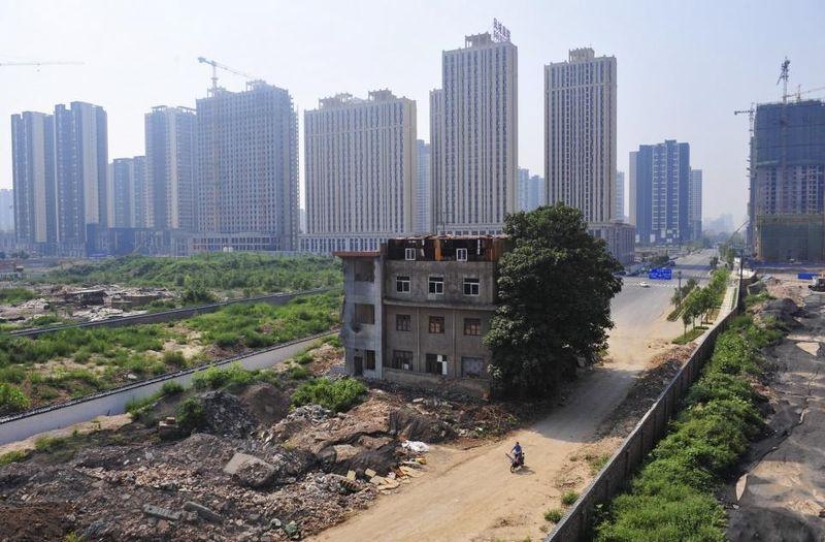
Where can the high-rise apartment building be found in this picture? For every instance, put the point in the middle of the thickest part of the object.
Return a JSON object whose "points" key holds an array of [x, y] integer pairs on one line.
{"points": [[580, 134], [81, 164], [247, 168], [423, 191], [361, 171], [619, 213], [522, 189], [35, 203], [6, 210], [695, 204], [660, 193], [536, 193], [171, 134], [127, 193], [787, 205], [474, 136], [580, 144]]}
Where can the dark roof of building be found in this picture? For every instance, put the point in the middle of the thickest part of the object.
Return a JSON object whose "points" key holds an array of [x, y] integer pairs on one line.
{"points": [[356, 254]]}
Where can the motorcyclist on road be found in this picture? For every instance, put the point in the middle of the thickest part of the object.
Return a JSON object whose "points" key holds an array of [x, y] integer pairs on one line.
{"points": [[518, 453]]}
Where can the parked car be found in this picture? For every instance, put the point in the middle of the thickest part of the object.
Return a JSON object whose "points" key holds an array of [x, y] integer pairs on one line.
{"points": [[644, 284]]}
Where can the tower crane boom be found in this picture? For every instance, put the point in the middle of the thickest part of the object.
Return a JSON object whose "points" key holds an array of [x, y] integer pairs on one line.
{"points": [[38, 64], [215, 65]]}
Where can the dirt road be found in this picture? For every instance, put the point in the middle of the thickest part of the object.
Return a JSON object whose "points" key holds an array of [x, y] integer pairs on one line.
{"points": [[471, 495]]}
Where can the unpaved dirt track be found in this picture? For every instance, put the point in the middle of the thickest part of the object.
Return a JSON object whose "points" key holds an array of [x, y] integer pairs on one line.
{"points": [[472, 496]]}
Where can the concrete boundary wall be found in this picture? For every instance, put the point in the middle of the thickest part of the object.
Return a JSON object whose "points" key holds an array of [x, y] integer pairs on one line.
{"points": [[113, 401], [578, 521], [176, 314]]}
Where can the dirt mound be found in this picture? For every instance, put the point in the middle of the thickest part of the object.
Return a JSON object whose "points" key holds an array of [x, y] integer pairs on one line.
{"points": [[35, 522], [267, 403], [226, 415], [206, 452], [381, 461], [768, 524], [409, 424], [299, 420], [784, 310]]}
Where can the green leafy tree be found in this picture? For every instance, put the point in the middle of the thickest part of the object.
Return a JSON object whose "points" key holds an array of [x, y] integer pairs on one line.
{"points": [[555, 287]]}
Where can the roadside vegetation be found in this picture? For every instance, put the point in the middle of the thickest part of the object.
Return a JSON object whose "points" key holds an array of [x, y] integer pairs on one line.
{"points": [[15, 296], [673, 493], [78, 361], [255, 273], [554, 262]]}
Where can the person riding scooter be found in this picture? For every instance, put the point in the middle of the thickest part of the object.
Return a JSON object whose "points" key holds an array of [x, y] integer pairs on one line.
{"points": [[518, 456]]}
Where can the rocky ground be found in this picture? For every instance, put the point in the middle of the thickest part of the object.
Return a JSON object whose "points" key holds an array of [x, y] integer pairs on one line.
{"points": [[780, 494], [255, 472]]}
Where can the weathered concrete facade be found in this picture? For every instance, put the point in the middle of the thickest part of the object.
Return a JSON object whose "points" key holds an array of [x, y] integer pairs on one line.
{"points": [[431, 302]]}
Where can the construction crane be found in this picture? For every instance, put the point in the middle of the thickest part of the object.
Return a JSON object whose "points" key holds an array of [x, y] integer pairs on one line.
{"points": [[750, 113], [799, 92], [783, 77], [215, 66], [38, 64]]}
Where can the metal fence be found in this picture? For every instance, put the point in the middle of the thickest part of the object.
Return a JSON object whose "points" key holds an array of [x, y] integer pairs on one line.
{"points": [[578, 521]]}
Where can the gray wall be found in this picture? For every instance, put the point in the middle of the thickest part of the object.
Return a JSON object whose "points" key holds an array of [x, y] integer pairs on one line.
{"points": [[453, 273]]}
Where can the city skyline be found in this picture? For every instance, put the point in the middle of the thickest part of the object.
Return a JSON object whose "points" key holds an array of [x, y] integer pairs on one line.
{"points": [[697, 41]]}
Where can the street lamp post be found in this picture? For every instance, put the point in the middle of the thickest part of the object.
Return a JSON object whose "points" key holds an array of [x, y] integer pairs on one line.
{"points": [[679, 290]]}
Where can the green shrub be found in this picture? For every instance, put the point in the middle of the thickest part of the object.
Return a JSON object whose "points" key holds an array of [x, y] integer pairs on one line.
{"points": [[554, 515], [49, 444], [569, 497], [12, 399], [190, 415], [175, 358], [216, 378], [304, 358], [136, 405], [299, 372], [339, 395], [171, 387]]}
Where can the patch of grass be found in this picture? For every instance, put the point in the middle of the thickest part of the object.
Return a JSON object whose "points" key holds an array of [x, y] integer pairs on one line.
{"points": [[15, 296], [137, 405], [13, 457], [304, 358], [299, 372], [339, 395], [756, 299], [49, 444], [190, 415], [12, 399], [673, 494], [553, 515], [691, 335], [569, 497], [216, 378], [175, 358], [171, 388], [596, 462]]}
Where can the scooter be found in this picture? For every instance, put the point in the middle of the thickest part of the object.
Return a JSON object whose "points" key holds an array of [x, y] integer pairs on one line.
{"points": [[516, 462]]}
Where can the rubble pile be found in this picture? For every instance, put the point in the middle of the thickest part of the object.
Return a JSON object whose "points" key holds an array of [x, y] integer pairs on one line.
{"points": [[256, 472]]}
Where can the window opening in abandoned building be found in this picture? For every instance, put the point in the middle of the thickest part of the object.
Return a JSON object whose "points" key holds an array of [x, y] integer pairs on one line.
{"points": [[401, 359], [436, 324], [369, 360], [436, 285], [403, 322], [472, 367], [364, 313], [402, 284], [409, 253], [436, 364], [471, 286], [461, 254], [472, 326], [364, 271]]}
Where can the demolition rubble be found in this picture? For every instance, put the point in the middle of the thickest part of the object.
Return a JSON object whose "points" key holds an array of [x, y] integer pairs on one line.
{"points": [[255, 471]]}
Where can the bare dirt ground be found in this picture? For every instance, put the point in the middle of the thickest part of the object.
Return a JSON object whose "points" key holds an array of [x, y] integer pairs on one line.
{"points": [[781, 495], [471, 495]]}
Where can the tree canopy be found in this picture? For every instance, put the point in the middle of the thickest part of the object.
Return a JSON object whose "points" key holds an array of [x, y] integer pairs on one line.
{"points": [[555, 287]]}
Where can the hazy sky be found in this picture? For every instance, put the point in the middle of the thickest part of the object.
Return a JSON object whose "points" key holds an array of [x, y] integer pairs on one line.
{"points": [[683, 66]]}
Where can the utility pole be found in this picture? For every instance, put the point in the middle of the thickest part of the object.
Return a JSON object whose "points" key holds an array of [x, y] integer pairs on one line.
{"points": [[679, 276]]}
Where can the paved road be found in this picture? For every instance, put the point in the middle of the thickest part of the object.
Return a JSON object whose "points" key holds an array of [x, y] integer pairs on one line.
{"points": [[471, 495]]}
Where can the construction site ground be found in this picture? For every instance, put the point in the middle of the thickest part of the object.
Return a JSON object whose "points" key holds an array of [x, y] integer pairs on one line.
{"points": [[779, 495], [312, 474]]}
